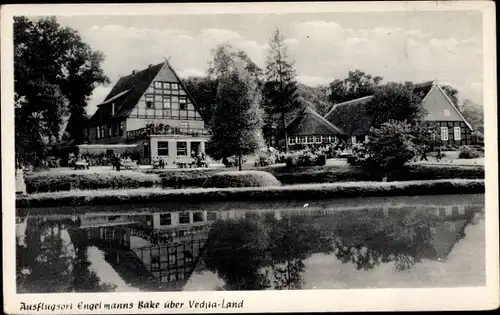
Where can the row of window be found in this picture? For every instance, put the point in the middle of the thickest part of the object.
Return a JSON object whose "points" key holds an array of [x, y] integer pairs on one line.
{"points": [[159, 85], [184, 217], [312, 139], [457, 133], [168, 114], [166, 102], [181, 148], [113, 130]]}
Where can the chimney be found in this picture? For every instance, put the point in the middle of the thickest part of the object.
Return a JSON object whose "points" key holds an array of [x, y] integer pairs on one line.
{"points": [[149, 66], [133, 72]]}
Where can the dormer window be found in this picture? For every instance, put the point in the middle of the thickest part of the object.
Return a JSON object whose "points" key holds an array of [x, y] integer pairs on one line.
{"points": [[446, 112], [149, 101]]}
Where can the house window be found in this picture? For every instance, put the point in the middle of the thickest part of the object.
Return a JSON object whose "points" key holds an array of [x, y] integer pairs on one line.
{"points": [[211, 216], [317, 139], [167, 102], [197, 216], [158, 85], [293, 140], [182, 103], [310, 139], [366, 138], [446, 112], [163, 148], [149, 101], [461, 210], [165, 219], [448, 211], [182, 148], [353, 139], [121, 128], [444, 133], [166, 86], [457, 134], [433, 136], [175, 86], [184, 125], [184, 217]]}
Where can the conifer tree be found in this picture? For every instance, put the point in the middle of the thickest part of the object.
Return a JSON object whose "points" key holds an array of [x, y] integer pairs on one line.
{"points": [[280, 88]]}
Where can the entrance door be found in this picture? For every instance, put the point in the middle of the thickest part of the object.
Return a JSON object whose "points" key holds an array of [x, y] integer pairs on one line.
{"points": [[195, 146]]}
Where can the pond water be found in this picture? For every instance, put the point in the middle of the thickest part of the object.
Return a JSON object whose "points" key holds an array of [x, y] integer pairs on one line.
{"points": [[405, 242]]}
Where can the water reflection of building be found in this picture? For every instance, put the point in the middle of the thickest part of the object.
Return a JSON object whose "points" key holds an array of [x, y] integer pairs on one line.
{"points": [[447, 223], [165, 245]]}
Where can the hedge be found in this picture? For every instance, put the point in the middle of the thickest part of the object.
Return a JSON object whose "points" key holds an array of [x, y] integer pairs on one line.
{"points": [[185, 178], [330, 174], [255, 194], [53, 181], [241, 179]]}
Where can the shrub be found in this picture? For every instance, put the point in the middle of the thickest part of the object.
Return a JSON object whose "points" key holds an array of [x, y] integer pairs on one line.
{"points": [[359, 155], [306, 158], [241, 179], [185, 178], [466, 152], [264, 159], [390, 147], [321, 160], [70, 180]]}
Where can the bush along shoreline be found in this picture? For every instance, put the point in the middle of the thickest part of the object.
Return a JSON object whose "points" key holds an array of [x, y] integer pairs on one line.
{"points": [[86, 180], [330, 174], [296, 192]]}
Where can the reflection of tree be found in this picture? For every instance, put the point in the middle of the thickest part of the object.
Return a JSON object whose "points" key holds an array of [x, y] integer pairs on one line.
{"points": [[247, 253], [291, 243], [45, 265], [236, 250], [368, 241], [84, 279]]}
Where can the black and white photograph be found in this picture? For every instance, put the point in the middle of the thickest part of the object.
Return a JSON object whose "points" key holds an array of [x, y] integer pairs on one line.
{"points": [[174, 149]]}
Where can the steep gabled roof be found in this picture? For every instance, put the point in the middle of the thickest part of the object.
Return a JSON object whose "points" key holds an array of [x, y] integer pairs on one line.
{"points": [[454, 107], [127, 92], [129, 89], [351, 116], [354, 102], [308, 122]]}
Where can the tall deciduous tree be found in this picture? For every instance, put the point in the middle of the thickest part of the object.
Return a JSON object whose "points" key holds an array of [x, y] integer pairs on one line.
{"points": [[474, 114], [357, 84], [237, 120], [452, 93], [395, 101], [204, 92], [280, 88], [55, 73]]}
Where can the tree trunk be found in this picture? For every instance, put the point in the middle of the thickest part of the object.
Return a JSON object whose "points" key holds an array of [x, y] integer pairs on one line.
{"points": [[239, 162], [284, 130]]}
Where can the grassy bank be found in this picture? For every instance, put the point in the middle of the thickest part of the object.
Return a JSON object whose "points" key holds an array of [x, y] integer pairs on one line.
{"points": [[268, 194], [327, 174], [85, 180]]}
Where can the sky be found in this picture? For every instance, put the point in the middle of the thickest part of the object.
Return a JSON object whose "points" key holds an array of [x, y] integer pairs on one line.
{"points": [[398, 46]]}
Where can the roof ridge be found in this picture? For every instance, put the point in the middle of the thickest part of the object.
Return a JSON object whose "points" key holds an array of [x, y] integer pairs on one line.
{"points": [[346, 103]]}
